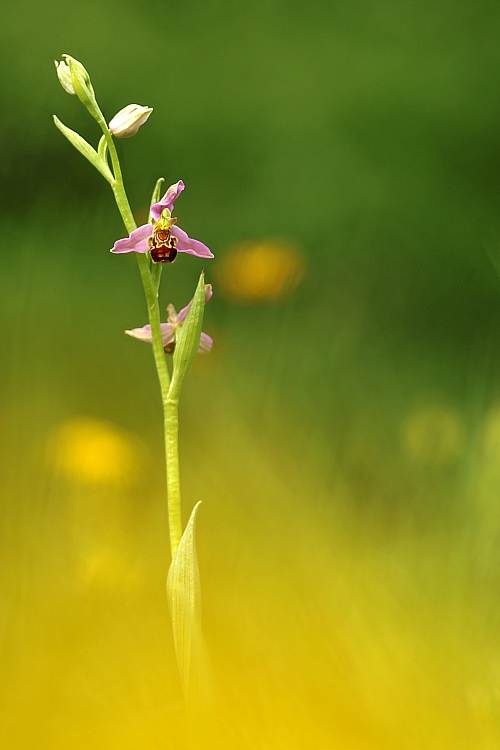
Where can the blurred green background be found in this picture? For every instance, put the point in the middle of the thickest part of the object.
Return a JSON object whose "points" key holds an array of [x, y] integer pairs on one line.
{"points": [[344, 435]]}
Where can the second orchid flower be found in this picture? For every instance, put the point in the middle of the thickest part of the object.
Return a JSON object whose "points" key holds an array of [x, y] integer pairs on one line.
{"points": [[168, 330]]}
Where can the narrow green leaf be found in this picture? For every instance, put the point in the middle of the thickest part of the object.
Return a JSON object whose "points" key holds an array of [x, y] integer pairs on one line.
{"points": [[188, 339], [156, 193], [184, 599], [102, 149], [85, 149]]}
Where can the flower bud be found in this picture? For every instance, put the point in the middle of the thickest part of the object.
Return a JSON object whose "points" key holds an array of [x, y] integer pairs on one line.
{"points": [[77, 71], [128, 120], [64, 75], [82, 86]]}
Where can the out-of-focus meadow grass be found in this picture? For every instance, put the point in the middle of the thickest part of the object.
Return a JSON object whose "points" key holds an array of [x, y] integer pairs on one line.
{"points": [[344, 434]]}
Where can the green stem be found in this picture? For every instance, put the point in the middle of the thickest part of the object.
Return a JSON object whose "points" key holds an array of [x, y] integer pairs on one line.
{"points": [[154, 322], [170, 407], [119, 187], [171, 421]]}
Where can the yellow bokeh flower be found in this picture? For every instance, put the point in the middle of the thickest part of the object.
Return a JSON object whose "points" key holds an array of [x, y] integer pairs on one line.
{"points": [[94, 452], [260, 271]]}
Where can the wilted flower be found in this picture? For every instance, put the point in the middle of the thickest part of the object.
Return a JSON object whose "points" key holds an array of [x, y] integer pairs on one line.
{"points": [[162, 238], [64, 75], [168, 329], [128, 120]]}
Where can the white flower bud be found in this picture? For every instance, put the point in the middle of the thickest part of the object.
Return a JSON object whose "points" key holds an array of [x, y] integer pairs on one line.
{"points": [[64, 75], [128, 120]]}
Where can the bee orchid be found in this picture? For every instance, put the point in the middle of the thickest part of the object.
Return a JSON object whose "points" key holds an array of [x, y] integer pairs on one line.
{"points": [[168, 330], [163, 238]]}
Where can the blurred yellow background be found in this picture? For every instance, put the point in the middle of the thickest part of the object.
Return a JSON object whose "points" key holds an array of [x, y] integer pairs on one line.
{"points": [[341, 162]]}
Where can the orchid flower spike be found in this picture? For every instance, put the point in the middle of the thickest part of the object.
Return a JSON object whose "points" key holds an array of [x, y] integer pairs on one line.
{"points": [[168, 330], [163, 238]]}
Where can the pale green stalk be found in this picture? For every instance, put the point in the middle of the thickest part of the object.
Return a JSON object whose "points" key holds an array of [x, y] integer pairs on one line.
{"points": [[171, 422]]}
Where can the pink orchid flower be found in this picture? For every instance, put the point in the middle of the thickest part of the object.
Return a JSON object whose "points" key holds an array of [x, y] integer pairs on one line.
{"points": [[168, 329], [163, 238]]}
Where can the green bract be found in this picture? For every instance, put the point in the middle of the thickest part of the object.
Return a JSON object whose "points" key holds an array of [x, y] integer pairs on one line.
{"points": [[80, 80], [156, 193], [184, 600], [82, 86], [86, 150], [102, 148], [188, 340]]}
